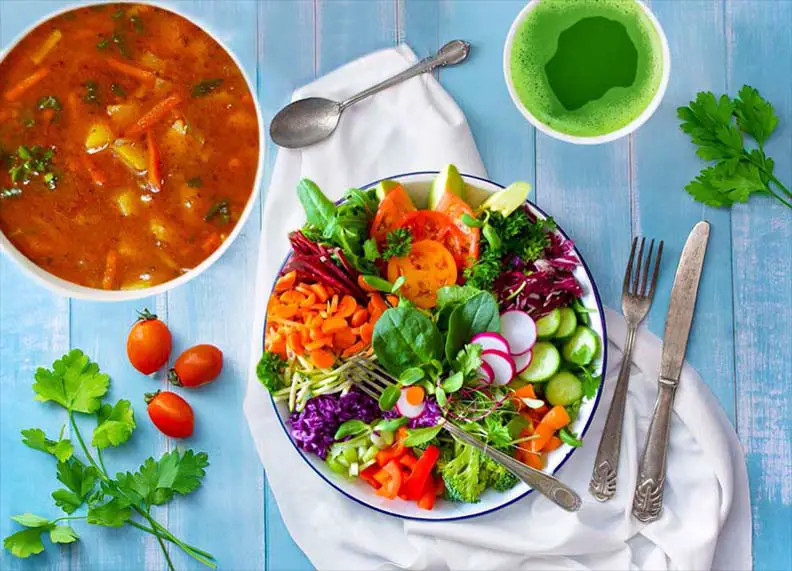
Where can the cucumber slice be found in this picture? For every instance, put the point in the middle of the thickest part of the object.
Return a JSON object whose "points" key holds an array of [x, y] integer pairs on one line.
{"points": [[547, 326], [564, 389], [544, 365], [582, 347], [568, 323]]}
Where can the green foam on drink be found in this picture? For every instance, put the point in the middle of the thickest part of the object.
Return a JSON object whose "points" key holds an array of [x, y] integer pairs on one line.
{"points": [[586, 67]]}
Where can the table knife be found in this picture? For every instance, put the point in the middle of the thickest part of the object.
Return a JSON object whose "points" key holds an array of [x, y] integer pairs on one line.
{"points": [[648, 498]]}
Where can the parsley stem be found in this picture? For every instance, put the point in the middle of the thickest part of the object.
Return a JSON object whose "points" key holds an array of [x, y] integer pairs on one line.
{"points": [[101, 460], [102, 473], [68, 518], [165, 551], [161, 531]]}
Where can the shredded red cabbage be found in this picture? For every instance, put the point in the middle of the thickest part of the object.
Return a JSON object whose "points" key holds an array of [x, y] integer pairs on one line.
{"points": [[314, 428], [540, 286], [314, 261]]}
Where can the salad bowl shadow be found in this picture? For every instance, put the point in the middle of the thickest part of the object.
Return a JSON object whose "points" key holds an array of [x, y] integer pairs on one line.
{"points": [[417, 185]]}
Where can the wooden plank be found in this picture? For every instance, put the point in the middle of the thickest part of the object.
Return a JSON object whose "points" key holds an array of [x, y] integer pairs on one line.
{"points": [[213, 309], [759, 41], [661, 207], [505, 139], [284, 28]]}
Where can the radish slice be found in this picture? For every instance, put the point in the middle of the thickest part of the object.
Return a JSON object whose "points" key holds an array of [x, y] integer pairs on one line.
{"points": [[519, 330], [522, 362], [502, 365], [491, 341], [485, 372]]}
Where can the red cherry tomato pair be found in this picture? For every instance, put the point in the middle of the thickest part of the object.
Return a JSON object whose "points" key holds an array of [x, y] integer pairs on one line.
{"points": [[148, 349]]}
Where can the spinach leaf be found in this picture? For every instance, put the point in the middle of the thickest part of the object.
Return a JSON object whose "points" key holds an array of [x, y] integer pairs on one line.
{"points": [[404, 338], [454, 294], [476, 315], [319, 210]]}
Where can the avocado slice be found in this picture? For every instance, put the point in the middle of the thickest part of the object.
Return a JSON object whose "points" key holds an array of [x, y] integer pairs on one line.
{"points": [[448, 180], [509, 199], [384, 187]]}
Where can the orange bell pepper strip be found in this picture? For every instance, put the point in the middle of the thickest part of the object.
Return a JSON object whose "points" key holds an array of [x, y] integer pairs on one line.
{"points": [[408, 460], [556, 418], [552, 444], [390, 488], [394, 451], [421, 473]]}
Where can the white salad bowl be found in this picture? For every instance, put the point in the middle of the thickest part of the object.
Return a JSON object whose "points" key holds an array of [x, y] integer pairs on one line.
{"points": [[417, 185]]}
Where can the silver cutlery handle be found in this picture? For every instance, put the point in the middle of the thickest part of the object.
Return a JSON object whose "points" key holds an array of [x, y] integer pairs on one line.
{"points": [[452, 53], [606, 464], [648, 499], [555, 490]]}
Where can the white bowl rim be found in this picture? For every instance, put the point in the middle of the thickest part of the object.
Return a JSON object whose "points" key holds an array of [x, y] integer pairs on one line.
{"points": [[597, 139], [70, 289], [583, 431]]}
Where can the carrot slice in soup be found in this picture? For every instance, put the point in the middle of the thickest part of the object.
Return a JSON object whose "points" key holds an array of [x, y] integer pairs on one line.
{"points": [[154, 115]]}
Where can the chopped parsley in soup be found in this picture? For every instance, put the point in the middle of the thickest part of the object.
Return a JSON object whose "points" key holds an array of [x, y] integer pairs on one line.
{"points": [[129, 144]]}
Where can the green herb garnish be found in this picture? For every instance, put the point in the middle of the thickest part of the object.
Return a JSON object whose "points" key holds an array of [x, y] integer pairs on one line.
{"points": [[195, 182], [716, 127], [49, 102], [206, 87], [137, 24], [102, 44], [91, 92], [30, 163], [118, 90], [29, 122], [219, 211], [77, 385], [397, 243]]}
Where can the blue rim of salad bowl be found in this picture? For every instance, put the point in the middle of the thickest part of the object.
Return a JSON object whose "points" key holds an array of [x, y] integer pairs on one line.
{"points": [[566, 457]]}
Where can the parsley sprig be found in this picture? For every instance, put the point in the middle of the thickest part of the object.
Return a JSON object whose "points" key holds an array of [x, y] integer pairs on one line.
{"points": [[717, 126], [398, 243], [76, 384]]}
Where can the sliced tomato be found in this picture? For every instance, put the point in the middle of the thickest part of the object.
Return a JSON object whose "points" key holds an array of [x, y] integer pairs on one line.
{"points": [[453, 206], [433, 225], [390, 211], [428, 267]]}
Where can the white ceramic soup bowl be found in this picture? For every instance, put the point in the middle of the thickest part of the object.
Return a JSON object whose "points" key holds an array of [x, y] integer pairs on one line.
{"points": [[595, 140], [71, 289], [417, 185]]}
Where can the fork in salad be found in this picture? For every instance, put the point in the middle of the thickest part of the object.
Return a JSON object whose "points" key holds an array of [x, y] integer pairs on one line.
{"points": [[373, 380]]}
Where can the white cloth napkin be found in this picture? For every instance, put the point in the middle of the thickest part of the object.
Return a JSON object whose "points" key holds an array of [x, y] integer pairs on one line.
{"points": [[707, 519]]}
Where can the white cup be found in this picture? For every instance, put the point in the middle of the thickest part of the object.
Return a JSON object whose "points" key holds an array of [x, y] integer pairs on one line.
{"points": [[594, 140]]}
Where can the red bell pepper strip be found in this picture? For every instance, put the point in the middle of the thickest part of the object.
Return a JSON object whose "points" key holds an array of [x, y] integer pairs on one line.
{"points": [[395, 451], [427, 499], [368, 476], [422, 471], [390, 488]]}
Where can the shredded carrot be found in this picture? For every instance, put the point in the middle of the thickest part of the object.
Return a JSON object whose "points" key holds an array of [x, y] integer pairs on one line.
{"points": [[292, 297], [334, 324], [285, 311], [154, 163], [344, 339], [111, 270], [97, 176], [286, 281], [309, 300], [346, 307], [211, 243], [322, 359], [333, 305], [320, 291], [326, 341], [132, 71], [359, 317], [19, 89], [354, 349], [363, 285], [153, 116], [367, 332], [294, 343]]}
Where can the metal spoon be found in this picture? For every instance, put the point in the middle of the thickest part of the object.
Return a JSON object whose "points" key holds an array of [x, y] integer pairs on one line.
{"points": [[311, 120]]}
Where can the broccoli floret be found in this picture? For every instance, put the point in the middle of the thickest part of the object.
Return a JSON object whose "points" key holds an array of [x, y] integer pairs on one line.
{"points": [[462, 475], [498, 477]]}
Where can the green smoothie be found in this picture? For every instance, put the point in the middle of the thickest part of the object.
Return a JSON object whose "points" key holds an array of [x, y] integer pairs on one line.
{"points": [[586, 67]]}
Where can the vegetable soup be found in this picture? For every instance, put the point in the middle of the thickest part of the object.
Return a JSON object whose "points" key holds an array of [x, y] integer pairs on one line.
{"points": [[129, 144]]}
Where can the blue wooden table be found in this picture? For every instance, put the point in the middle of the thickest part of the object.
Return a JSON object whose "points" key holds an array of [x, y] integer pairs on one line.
{"points": [[603, 195]]}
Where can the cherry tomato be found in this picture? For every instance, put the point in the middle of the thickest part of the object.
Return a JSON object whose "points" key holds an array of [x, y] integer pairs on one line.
{"points": [[197, 366], [148, 343], [433, 225], [170, 414], [455, 207], [428, 267], [392, 208]]}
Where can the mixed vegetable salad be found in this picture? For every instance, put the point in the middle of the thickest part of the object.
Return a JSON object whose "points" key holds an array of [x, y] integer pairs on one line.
{"points": [[475, 311]]}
